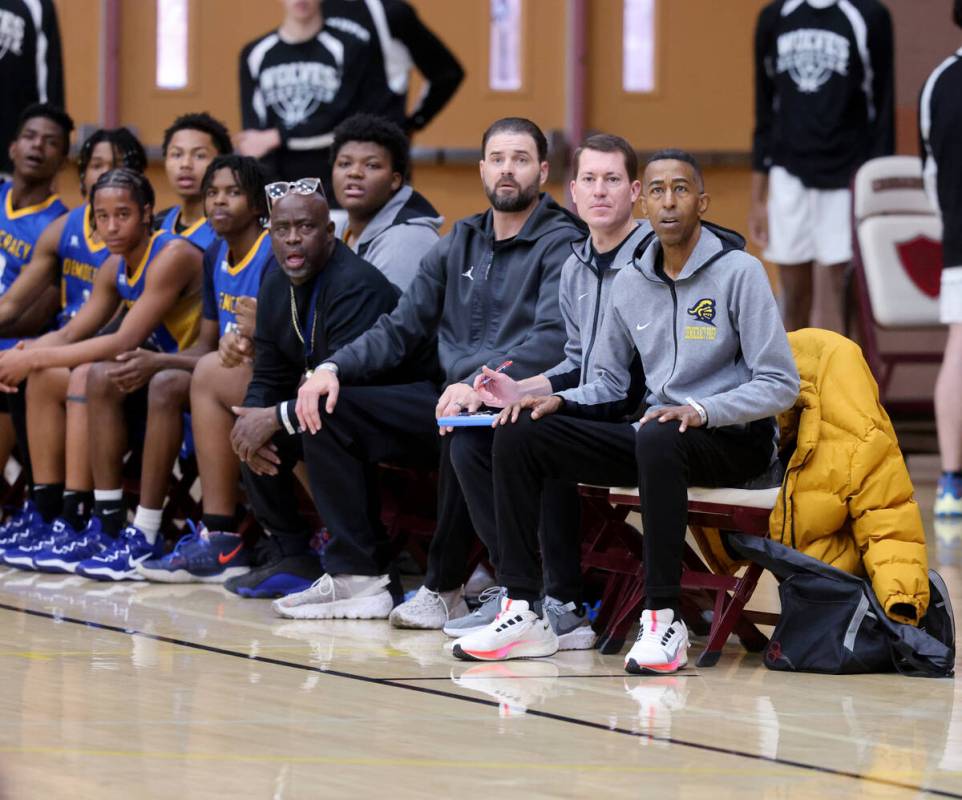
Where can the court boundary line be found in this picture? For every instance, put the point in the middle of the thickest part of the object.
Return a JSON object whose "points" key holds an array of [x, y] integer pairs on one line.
{"points": [[396, 683]]}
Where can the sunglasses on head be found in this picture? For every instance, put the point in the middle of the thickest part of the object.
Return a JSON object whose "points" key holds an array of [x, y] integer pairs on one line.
{"points": [[275, 191]]}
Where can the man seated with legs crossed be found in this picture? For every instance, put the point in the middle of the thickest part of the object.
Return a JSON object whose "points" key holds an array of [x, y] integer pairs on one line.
{"points": [[323, 297], [605, 189], [489, 293], [700, 314]]}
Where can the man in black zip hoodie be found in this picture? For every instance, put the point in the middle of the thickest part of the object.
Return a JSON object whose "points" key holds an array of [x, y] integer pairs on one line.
{"points": [[323, 297], [489, 292]]}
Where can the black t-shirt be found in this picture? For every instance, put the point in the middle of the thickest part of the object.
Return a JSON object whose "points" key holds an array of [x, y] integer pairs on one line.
{"points": [[604, 260]]}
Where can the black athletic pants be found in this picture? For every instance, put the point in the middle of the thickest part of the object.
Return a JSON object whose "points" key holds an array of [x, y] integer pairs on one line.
{"points": [[371, 424], [663, 461], [471, 455]]}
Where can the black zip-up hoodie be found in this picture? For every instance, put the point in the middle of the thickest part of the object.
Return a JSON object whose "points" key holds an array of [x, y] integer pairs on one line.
{"points": [[486, 301]]}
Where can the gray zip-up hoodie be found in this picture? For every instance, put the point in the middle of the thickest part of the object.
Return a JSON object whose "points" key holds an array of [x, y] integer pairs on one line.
{"points": [[398, 236], [584, 296], [486, 302], [713, 335]]}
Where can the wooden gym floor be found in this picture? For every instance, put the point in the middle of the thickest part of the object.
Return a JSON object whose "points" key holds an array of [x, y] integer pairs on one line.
{"points": [[151, 691]]}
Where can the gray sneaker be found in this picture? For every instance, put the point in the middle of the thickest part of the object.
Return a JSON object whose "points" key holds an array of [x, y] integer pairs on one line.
{"points": [[481, 617], [573, 629]]}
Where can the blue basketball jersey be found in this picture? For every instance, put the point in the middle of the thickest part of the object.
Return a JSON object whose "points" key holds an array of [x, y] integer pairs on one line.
{"points": [[243, 279], [80, 258], [19, 231], [178, 329], [200, 234]]}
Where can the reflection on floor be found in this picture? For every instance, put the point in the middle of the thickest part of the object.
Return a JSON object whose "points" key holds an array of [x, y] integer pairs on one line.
{"points": [[123, 690]]}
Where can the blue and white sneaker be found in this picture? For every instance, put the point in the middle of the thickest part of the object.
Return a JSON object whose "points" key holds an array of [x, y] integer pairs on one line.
{"points": [[66, 555], [200, 556], [13, 530], [55, 534], [119, 561], [948, 496]]}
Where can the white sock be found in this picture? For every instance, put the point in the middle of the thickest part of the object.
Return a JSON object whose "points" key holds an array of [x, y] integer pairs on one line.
{"points": [[106, 495], [147, 520]]}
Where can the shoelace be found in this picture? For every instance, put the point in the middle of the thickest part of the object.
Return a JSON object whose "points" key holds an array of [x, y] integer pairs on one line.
{"points": [[324, 585], [430, 596], [649, 635], [486, 596], [196, 534], [555, 607]]}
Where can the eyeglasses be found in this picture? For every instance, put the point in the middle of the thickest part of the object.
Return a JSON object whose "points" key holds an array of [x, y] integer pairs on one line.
{"points": [[275, 191]]}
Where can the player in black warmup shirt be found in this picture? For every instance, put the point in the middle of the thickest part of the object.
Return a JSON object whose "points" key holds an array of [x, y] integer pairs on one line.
{"points": [[297, 83]]}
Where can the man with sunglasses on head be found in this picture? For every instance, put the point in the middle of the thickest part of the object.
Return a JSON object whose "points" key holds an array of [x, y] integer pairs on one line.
{"points": [[323, 297]]}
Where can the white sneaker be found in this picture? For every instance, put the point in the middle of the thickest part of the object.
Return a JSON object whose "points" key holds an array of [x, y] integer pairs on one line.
{"points": [[339, 597], [429, 610], [662, 644], [517, 632]]}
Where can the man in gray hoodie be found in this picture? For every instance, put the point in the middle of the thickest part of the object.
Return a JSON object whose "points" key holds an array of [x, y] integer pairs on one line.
{"points": [[486, 293], [700, 314], [388, 224]]}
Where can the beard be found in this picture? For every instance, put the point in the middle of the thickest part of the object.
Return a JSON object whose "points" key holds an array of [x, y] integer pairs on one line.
{"points": [[512, 204]]}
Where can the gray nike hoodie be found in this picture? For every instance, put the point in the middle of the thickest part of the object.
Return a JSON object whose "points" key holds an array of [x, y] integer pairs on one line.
{"points": [[713, 335], [398, 236], [584, 295]]}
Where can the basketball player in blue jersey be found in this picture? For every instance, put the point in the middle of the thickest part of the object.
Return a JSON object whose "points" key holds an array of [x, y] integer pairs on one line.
{"points": [[157, 280], [190, 144], [233, 269], [70, 252], [27, 206]]}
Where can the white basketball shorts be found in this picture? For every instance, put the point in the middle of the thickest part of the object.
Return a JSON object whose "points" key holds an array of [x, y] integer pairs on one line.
{"points": [[807, 224]]}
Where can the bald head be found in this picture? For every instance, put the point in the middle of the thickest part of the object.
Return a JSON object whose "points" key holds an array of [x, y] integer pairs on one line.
{"points": [[302, 235]]}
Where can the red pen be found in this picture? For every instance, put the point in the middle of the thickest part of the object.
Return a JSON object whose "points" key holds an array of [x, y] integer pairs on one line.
{"points": [[501, 368]]}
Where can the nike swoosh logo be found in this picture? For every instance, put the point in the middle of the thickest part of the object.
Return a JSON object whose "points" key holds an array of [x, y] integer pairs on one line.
{"points": [[583, 296], [108, 511], [223, 558], [642, 327]]}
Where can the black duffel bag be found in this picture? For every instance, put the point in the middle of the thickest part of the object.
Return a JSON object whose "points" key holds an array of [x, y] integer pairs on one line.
{"points": [[831, 621]]}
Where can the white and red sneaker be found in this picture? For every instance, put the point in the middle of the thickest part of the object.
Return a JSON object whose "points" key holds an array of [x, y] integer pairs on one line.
{"points": [[662, 644], [517, 632]]}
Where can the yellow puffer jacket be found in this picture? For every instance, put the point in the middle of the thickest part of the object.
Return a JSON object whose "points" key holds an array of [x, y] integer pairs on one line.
{"points": [[847, 498]]}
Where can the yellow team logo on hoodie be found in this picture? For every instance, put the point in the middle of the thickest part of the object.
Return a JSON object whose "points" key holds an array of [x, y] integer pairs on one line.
{"points": [[703, 311]]}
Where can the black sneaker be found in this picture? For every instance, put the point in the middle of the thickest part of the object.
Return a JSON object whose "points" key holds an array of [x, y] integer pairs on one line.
{"points": [[278, 574]]}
